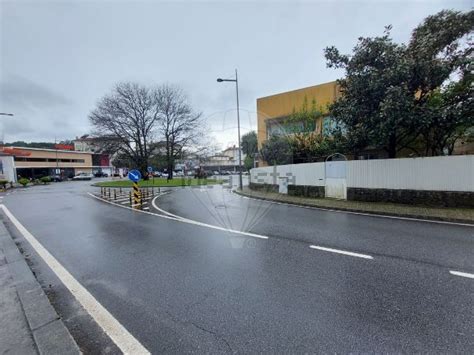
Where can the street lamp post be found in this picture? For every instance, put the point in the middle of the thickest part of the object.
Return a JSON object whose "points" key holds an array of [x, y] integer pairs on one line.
{"points": [[236, 80]]}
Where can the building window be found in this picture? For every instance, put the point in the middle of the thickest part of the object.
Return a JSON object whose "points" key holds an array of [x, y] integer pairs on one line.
{"points": [[329, 125], [49, 160], [276, 128]]}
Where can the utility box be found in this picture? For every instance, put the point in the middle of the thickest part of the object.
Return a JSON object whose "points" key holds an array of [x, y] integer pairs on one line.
{"points": [[283, 185]]}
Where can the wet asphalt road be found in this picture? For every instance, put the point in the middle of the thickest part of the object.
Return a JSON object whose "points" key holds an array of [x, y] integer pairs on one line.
{"points": [[179, 287]]}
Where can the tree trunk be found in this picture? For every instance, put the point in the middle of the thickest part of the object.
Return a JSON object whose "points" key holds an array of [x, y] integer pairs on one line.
{"points": [[392, 147]]}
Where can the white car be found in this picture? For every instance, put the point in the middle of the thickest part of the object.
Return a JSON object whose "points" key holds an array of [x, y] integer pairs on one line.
{"points": [[83, 176]]}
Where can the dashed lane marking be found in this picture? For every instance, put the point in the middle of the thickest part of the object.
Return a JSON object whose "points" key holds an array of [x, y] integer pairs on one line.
{"points": [[344, 252], [111, 326], [462, 274]]}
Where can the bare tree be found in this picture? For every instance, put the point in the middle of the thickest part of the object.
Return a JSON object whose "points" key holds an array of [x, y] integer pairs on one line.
{"points": [[180, 126], [129, 114]]}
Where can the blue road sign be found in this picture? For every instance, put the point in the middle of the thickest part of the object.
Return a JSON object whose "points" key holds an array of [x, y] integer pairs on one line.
{"points": [[150, 169], [134, 175]]}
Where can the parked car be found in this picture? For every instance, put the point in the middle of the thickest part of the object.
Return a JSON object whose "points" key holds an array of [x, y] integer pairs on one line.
{"points": [[179, 173], [83, 176], [101, 174], [156, 174], [56, 178]]}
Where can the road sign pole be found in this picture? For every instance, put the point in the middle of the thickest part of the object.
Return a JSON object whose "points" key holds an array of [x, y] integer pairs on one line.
{"points": [[136, 194]]}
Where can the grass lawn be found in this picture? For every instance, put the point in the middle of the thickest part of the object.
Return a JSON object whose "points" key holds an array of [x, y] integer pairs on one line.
{"points": [[160, 182]]}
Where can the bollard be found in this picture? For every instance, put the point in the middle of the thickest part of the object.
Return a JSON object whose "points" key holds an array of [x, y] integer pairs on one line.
{"points": [[152, 191], [130, 196], [115, 194], [109, 193], [120, 191]]}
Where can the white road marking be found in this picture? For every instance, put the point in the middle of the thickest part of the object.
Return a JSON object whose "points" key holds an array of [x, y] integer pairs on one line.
{"points": [[359, 213], [120, 199], [462, 274], [184, 220], [364, 256], [111, 326], [163, 211], [124, 203], [146, 208]]}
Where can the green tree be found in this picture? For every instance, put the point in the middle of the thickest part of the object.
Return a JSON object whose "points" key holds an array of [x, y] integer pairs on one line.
{"points": [[394, 96], [249, 143], [248, 162], [277, 150]]}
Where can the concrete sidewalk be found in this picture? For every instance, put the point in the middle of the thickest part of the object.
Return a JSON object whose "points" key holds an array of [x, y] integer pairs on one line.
{"points": [[29, 324]]}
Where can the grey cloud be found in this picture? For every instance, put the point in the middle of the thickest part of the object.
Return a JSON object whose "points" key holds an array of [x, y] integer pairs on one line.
{"points": [[19, 92], [58, 58]]}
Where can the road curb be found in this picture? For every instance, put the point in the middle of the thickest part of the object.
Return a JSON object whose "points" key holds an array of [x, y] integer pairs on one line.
{"points": [[373, 213], [48, 330]]}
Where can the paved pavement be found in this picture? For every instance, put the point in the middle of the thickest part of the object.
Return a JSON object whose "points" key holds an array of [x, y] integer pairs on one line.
{"points": [[178, 286], [30, 325]]}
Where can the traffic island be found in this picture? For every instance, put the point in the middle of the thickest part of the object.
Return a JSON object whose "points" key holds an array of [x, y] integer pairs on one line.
{"points": [[460, 215], [30, 325]]}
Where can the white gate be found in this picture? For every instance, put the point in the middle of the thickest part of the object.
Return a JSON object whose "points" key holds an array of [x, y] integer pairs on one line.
{"points": [[335, 179]]}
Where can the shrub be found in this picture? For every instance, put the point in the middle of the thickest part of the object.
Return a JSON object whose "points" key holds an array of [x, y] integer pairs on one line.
{"points": [[3, 184], [45, 180], [24, 181]]}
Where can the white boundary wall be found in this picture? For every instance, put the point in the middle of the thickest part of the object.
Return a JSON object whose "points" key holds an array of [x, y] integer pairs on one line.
{"points": [[446, 173], [297, 174]]}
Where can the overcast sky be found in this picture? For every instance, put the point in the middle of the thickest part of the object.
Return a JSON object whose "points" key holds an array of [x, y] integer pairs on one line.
{"points": [[57, 58]]}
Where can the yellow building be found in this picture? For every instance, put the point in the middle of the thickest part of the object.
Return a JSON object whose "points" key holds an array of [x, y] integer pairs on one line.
{"points": [[272, 111]]}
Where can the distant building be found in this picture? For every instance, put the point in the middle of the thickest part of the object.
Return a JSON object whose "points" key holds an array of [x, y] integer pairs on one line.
{"points": [[227, 160], [37, 162], [103, 150]]}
